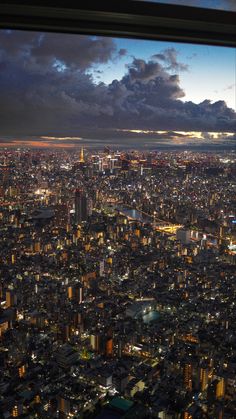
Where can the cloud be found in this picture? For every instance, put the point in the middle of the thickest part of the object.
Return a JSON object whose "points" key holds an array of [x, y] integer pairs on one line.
{"points": [[230, 87], [190, 57], [42, 51], [169, 57], [127, 139], [140, 70], [47, 90], [122, 52]]}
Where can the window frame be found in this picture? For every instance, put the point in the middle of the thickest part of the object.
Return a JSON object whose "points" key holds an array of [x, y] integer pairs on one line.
{"points": [[127, 18]]}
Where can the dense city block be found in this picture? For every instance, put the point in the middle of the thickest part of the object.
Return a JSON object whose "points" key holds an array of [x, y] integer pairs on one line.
{"points": [[117, 284]]}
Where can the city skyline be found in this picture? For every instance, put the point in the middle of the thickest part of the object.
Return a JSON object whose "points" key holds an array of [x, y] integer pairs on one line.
{"points": [[117, 284], [67, 90]]}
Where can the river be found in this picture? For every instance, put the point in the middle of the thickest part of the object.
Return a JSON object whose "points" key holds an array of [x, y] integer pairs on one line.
{"points": [[134, 213], [151, 316]]}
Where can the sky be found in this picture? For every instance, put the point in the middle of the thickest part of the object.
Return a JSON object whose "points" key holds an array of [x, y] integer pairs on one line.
{"points": [[210, 4], [66, 89]]}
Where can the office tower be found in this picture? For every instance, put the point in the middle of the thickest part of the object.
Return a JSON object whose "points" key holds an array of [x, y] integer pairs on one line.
{"points": [[109, 347], [15, 412], [22, 371], [112, 165], [216, 390], [183, 236], [63, 405], [102, 344], [95, 342], [187, 376], [11, 298], [220, 388], [100, 164], [204, 242], [102, 268], [81, 206], [76, 293], [5, 175], [64, 332], [203, 378]]}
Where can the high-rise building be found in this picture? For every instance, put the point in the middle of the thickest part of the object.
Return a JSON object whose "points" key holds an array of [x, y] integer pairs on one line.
{"points": [[183, 236], [22, 371], [76, 293], [11, 298], [15, 412], [5, 171], [203, 378], [102, 343], [220, 388], [187, 376], [63, 405], [81, 206], [95, 342], [109, 347]]}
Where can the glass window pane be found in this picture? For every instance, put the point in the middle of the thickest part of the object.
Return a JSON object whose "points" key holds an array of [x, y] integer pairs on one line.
{"points": [[117, 227]]}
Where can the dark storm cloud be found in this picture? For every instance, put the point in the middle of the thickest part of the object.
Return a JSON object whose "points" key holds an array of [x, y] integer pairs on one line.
{"points": [[169, 57], [140, 70], [42, 51], [46, 89]]}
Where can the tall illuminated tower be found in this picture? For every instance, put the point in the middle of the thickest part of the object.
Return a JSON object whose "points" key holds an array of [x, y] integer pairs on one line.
{"points": [[81, 157]]}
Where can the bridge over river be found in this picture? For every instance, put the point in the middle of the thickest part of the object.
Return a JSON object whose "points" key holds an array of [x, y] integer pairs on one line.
{"points": [[143, 217], [161, 225]]}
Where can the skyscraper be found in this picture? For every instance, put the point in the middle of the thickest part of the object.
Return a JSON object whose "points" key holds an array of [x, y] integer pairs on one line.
{"points": [[187, 376], [81, 206]]}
